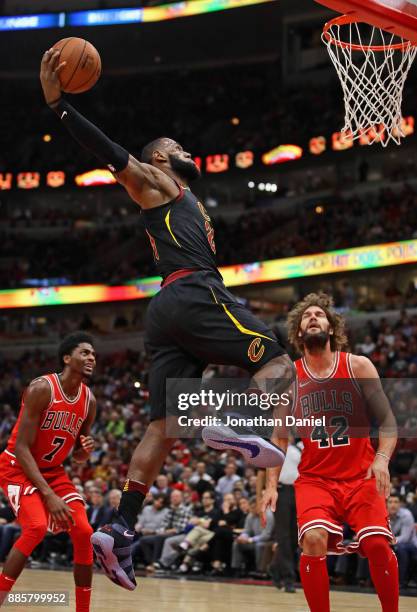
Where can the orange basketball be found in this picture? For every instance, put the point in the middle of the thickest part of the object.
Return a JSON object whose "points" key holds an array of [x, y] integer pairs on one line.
{"points": [[83, 67]]}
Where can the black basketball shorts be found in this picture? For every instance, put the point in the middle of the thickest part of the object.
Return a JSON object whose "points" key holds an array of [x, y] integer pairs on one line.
{"points": [[195, 321]]}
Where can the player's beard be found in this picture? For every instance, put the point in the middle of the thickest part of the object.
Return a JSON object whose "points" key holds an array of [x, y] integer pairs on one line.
{"points": [[315, 343], [186, 169]]}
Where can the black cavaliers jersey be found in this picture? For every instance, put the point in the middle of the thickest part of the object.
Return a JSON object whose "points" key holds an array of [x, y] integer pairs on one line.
{"points": [[181, 235]]}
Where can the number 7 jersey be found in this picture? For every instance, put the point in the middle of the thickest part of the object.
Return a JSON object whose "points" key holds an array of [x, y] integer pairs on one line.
{"points": [[340, 448], [59, 425]]}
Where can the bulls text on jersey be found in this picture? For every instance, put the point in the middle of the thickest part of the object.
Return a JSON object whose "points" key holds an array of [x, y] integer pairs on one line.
{"points": [[62, 420], [326, 400]]}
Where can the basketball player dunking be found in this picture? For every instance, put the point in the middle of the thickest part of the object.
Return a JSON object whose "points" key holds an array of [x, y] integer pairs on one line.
{"points": [[342, 479], [55, 417], [193, 321]]}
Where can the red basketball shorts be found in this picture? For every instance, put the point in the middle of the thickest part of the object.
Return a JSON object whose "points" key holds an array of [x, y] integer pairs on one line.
{"points": [[329, 504], [16, 484]]}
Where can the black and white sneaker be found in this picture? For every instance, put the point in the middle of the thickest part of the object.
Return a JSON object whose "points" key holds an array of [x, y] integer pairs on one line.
{"points": [[256, 451], [112, 545]]}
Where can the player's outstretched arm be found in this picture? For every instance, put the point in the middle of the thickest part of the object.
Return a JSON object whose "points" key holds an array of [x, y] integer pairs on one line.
{"points": [[379, 409], [270, 494], [84, 443], [37, 399], [147, 186]]}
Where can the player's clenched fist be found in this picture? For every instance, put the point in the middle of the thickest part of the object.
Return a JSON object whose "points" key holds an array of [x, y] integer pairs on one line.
{"points": [[87, 444], [84, 447]]}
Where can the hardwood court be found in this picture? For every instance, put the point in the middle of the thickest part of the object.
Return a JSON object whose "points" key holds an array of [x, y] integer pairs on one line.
{"points": [[155, 595]]}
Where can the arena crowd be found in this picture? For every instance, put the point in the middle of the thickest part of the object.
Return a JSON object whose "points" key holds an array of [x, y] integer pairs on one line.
{"points": [[82, 251]]}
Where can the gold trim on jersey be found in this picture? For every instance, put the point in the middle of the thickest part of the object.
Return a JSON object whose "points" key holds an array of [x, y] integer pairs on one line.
{"points": [[168, 224], [243, 329], [214, 295], [237, 324]]}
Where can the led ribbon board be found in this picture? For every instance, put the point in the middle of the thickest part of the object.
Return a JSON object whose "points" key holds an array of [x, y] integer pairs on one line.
{"points": [[32, 22], [332, 262], [109, 17]]}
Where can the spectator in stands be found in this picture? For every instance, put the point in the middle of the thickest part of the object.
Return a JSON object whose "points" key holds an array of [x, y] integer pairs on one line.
{"points": [[200, 480], [253, 540], [232, 518], [174, 523], [404, 529], [227, 483], [103, 470], [96, 511], [239, 493], [161, 486], [413, 505], [366, 347], [113, 500], [205, 522], [183, 481], [116, 424], [150, 522], [171, 548]]}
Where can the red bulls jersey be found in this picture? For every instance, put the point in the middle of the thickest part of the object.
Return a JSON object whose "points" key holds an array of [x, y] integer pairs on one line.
{"points": [[59, 425], [340, 448]]}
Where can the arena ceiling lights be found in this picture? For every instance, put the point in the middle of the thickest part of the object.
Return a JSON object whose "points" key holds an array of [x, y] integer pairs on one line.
{"points": [[110, 17]]}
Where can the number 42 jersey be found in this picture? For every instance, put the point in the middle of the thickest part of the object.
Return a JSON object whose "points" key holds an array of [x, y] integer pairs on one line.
{"points": [[59, 425], [340, 448]]}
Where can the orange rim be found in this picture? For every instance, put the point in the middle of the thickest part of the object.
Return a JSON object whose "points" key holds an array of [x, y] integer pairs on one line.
{"points": [[353, 18]]}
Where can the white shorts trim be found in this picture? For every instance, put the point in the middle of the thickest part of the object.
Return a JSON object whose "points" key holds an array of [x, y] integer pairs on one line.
{"points": [[375, 530], [373, 527], [73, 497], [338, 527], [330, 527]]}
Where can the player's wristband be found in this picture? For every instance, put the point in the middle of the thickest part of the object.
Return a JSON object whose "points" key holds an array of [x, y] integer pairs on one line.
{"points": [[383, 455], [90, 137]]}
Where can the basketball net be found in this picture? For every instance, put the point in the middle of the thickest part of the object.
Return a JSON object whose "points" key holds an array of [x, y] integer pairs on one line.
{"points": [[372, 65]]}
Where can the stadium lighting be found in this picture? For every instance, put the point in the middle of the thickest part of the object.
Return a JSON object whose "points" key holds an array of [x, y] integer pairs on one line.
{"points": [[261, 186]]}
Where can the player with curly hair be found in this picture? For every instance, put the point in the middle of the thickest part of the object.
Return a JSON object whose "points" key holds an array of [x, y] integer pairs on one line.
{"points": [[342, 479]]}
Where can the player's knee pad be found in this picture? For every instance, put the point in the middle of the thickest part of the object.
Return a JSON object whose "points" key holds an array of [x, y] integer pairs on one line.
{"points": [[80, 535], [376, 548], [32, 535]]}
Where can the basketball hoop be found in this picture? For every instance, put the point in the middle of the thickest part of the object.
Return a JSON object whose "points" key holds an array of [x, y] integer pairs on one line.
{"points": [[372, 65]]}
